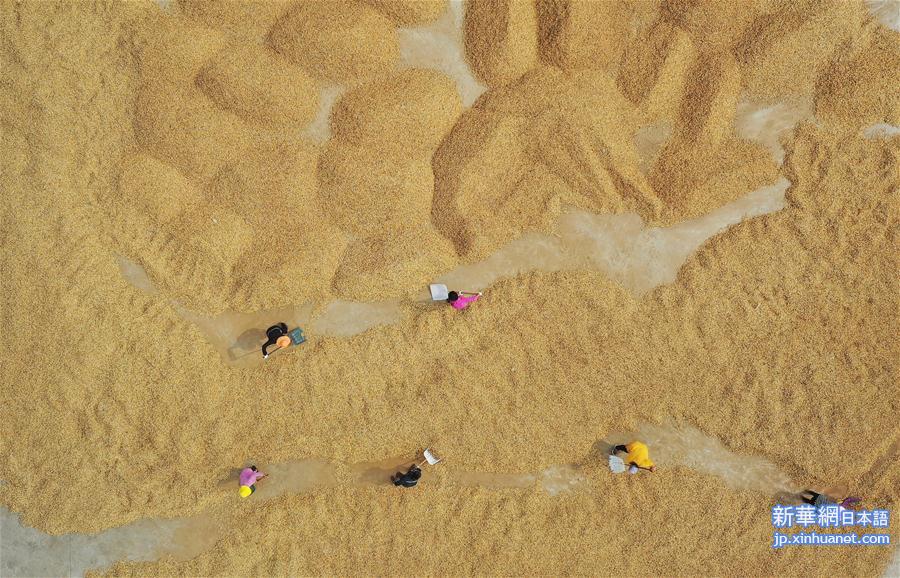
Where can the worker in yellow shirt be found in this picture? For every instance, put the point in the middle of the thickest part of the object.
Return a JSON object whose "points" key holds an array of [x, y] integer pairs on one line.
{"points": [[638, 456]]}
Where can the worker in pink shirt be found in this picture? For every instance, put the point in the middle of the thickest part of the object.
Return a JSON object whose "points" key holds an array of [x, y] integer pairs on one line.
{"points": [[458, 300], [247, 481]]}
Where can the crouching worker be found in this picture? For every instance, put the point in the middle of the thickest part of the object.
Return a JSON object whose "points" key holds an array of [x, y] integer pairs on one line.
{"points": [[276, 335], [637, 458], [247, 481], [819, 499], [409, 479], [461, 299]]}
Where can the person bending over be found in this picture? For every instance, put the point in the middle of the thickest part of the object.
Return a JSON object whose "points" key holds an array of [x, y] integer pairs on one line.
{"points": [[461, 299], [247, 481], [820, 499], [409, 479], [638, 456]]}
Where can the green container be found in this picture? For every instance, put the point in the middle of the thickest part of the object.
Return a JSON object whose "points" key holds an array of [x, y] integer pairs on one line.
{"points": [[296, 336]]}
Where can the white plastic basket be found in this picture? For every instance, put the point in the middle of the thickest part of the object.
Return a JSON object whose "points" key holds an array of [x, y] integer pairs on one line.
{"points": [[430, 457], [439, 292], [616, 464]]}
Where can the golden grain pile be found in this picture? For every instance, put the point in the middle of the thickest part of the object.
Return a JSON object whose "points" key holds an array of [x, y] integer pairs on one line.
{"points": [[175, 139]]}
